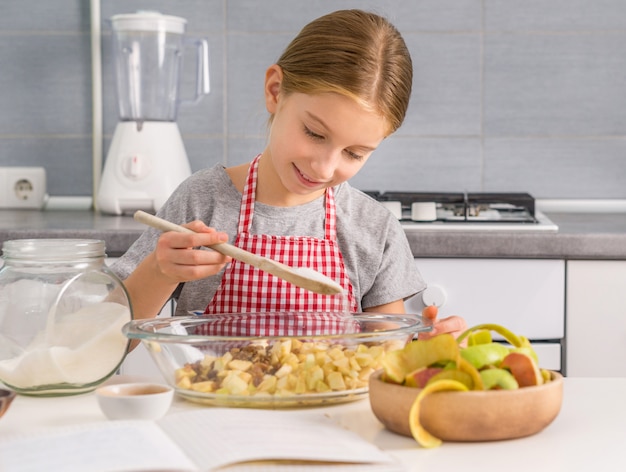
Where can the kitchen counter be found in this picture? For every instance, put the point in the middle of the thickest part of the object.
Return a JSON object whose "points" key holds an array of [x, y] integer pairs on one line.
{"points": [[589, 431], [580, 235], [118, 232]]}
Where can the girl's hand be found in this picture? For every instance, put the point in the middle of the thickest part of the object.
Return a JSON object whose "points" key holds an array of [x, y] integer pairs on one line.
{"points": [[454, 325], [180, 258]]}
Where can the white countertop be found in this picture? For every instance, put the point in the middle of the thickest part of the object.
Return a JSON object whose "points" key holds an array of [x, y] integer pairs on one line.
{"points": [[589, 431]]}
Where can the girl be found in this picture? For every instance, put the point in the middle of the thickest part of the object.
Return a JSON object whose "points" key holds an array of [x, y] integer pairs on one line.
{"points": [[340, 88]]}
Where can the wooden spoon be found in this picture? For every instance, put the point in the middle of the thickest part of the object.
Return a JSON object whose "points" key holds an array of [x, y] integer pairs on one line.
{"points": [[302, 277]]}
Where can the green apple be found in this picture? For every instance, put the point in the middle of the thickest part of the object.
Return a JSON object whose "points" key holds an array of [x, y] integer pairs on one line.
{"points": [[498, 379], [482, 355]]}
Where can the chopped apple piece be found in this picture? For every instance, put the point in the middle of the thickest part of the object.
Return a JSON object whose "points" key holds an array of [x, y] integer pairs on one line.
{"points": [[420, 377], [335, 381], [523, 368], [416, 354], [239, 365], [483, 355], [498, 379]]}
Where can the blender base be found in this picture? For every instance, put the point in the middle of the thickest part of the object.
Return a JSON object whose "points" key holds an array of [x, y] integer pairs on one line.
{"points": [[143, 167]]}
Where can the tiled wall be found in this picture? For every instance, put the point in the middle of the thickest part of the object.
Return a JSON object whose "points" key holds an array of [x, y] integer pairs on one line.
{"points": [[508, 95]]}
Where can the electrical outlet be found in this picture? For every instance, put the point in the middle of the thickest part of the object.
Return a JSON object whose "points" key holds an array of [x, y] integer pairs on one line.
{"points": [[22, 187]]}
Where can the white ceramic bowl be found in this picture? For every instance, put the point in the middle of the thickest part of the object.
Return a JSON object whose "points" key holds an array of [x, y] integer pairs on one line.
{"points": [[144, 401]]}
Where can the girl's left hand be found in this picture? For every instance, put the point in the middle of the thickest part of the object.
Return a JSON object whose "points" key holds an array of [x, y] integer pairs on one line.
{"points": [[454, 325]]}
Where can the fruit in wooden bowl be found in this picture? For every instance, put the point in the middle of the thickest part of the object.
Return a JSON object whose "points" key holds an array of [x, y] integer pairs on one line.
{"points": [[468, 416], [435, 390]]}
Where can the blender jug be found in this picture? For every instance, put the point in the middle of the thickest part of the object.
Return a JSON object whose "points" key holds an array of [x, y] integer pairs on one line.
{"points": [[148, 54], [147, 159]]}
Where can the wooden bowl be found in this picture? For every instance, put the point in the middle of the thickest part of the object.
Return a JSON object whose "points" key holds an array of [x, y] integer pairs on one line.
{"points": [[469, 416]]}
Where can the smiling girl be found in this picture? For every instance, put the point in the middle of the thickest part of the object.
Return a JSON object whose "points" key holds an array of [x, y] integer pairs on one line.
{"points": [[340, 88]]}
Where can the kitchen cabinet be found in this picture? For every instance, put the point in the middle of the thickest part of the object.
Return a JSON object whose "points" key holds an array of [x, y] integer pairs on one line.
{"points": [[525, 295], [596, 318]]}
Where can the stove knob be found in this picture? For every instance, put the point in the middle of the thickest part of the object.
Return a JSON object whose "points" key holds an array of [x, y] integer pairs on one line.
{"points": [[395, 208], [423, 211], [434, 295]]}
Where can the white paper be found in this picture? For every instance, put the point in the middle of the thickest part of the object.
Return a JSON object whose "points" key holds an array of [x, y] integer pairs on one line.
{"points": [[205, 439], [106, 446], [222, 436]]}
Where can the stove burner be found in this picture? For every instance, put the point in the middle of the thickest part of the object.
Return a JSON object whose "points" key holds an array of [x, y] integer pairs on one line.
{"points": [[516, 208]]}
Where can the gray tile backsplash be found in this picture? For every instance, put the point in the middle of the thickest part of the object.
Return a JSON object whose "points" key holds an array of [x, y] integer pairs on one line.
{"points": [[447, 85], [547, 84], [42, 96], [523, 96]]}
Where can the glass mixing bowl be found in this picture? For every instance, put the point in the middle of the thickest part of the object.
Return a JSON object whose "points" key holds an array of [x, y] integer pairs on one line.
{"points": [[273, 360]]}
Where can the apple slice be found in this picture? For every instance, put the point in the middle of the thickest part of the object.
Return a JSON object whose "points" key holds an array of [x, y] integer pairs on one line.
{"points": [[454, 374], [524, 368], [480, 336], [498, 379], [483, 355], [420, 377], [418, 354]]}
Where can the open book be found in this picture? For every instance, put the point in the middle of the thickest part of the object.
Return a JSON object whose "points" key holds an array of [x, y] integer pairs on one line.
{"points": [[198, 440]]}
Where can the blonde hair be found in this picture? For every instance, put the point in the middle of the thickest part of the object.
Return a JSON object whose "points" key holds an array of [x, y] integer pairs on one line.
{"points": [[355, 53]]}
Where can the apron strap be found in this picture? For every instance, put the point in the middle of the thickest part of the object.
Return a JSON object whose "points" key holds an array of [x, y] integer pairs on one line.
{"points": [[330, 223], [247, 200]]}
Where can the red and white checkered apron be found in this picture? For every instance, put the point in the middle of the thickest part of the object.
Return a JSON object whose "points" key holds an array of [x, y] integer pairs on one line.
{"points": [[246, 289]]}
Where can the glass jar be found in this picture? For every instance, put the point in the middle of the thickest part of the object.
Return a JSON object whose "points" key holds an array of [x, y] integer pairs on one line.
{"points": [[61, 316]]}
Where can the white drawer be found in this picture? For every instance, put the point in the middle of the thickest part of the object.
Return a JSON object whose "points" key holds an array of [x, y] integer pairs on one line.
{"points": [[549, 355], [525, 295]]}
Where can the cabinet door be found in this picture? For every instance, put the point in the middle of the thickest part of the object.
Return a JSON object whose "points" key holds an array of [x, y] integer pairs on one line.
{"points": [[525, 295], [596, 318]]}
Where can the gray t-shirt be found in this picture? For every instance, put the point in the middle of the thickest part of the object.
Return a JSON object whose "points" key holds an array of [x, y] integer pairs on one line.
{"points": [[376, 252]]}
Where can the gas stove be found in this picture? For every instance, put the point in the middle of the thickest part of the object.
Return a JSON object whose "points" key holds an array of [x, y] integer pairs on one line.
{"points": [[449, 211]]}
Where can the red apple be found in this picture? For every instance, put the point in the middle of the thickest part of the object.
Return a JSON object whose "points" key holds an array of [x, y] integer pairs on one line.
{"points": [[419, 377], [524, 369]]}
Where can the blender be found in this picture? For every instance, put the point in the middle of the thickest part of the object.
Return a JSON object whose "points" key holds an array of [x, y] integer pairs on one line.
{"points": [[147, 158]]}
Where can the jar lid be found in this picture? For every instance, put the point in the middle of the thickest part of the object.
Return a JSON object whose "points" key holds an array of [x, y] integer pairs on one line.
{"points": [[146, 20], [53, 249]]}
